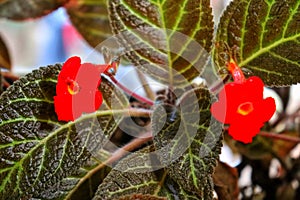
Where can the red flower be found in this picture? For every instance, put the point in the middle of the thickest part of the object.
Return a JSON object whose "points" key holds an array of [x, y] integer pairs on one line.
{"points": [[241, 105], [77, 89]]}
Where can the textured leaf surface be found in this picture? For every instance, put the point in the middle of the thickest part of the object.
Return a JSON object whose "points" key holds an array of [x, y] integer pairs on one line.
{"points": [[5, 61], [191, 142], [91, 20], [141, 197], [267, 33], [73, 188], [36, 150], [20, 10], [169, 40], [134, 175], [125, 181]]}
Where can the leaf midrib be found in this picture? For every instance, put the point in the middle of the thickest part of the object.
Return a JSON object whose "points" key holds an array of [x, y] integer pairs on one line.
{"points": [[162, 17], [44, 140], [267, 48]]}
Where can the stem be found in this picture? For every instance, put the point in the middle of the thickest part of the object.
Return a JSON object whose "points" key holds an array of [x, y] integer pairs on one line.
{"points": [[280, 137], [139, 112], [134, 144], [236, 72], [4, 76], [148, 90], [10, 75], [129, 92], [276, 136]]}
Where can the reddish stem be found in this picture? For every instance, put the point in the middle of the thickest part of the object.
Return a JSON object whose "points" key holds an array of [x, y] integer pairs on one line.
{"points": [[280, 137], [235, 70], [129, 92], [275, 136]]}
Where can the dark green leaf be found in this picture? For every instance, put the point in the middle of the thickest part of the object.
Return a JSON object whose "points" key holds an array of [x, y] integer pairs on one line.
{"points": [[5, 61], [141, 197], [81, 185], [124, 181], [135, 175], [87, 189], [20, 10], [267, 33], [190, 142], [169, 40], [91, 20], [37, 151], [282, 148]]}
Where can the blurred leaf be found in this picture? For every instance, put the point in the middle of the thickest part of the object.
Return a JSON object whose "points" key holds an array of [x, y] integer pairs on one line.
{"points": [[90, 17], [136, 174], [263, 148], [282, 148], [259, 149], [286, 191], [267, 34], [168, 40], [21, 10], [5, 61], [190, 142], [226, 182], [37, 151]]}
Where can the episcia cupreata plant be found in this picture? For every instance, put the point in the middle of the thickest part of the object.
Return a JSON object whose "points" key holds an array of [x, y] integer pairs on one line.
{"points": [[104, 145]]}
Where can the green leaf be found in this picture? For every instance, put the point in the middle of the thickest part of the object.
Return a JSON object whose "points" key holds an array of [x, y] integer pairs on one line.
{"points": [[20, 10], [81, 185], [5, 61], [36, 150], [87, 189], [90, 17], [267, 33], [140, 197], [190, 141], [124, 181], [135, 175], [168, 40]]}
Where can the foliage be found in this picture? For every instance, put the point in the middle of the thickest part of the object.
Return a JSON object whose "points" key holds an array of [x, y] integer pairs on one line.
{"points": [[172, 42]]}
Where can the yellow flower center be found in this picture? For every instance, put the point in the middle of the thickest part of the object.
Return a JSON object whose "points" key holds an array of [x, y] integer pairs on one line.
{"points": [[73, 87], [245, 108]]}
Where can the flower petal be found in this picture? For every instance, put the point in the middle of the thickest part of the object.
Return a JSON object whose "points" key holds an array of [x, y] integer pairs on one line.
{"points": [[244, 131], [219, 112], [253, 89], [87, 99], [63, 107], [86, 102], [88, 77], [267, 108], [70, 68], [225, 109], [242, 106], [70, 107], [68, 72]]}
